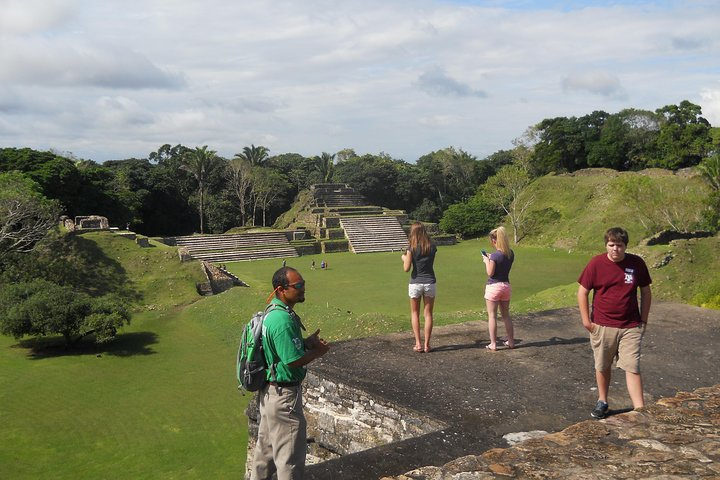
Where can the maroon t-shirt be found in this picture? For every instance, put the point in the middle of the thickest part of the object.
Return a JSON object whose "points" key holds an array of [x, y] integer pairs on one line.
{"points": [[614, 286]]}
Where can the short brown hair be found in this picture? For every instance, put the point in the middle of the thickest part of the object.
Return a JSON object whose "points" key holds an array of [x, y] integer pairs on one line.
{"points": [[616, 234]]}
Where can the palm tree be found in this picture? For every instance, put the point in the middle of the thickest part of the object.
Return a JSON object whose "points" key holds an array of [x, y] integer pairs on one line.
{"points": [[255, 155], [325, 165], [710, 171], [201, 162]]}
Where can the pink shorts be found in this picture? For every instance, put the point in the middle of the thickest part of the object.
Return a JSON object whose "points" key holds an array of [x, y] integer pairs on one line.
{"points": [[497, 292]]}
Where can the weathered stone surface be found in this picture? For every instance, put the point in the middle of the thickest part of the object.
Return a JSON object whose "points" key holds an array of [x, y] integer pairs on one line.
{"points": [[606, 449], [545, 383]]}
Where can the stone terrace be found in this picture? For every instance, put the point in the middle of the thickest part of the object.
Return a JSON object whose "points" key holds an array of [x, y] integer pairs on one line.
{"points": [[545, 384], [676, 437], [374, 234], [235, 247]]}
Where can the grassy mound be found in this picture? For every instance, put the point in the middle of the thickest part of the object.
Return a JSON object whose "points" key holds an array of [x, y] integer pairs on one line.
{"points": [[573, 211]]}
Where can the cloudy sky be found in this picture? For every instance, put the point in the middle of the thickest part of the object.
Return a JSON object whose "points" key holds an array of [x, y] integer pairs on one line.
{"points": [[114, 79]]}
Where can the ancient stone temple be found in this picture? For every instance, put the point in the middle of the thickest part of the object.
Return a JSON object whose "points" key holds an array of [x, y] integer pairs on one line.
{"points": [[94, 222]]}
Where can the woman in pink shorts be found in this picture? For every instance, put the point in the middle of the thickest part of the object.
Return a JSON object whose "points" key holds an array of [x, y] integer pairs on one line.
{"points": [[497, 289]]}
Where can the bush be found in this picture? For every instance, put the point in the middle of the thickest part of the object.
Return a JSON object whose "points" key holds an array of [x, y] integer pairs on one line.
{"points": [[44, 308], [470, 219]]}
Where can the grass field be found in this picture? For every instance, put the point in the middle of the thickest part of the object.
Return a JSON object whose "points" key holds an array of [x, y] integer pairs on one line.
{"points": [[161, 401]]}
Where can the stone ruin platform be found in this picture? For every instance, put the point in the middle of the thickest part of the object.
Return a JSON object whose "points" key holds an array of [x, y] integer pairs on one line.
{"points": [[473, 397]]}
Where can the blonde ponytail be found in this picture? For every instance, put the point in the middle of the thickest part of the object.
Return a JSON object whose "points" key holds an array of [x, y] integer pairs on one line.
{"points": [[501, 241]]}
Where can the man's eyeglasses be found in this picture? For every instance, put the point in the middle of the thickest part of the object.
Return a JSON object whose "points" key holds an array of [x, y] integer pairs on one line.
{"points": [[297, 286]]}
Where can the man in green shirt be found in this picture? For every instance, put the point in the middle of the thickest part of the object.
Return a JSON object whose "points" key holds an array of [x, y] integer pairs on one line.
{"points": [[282, 437]]}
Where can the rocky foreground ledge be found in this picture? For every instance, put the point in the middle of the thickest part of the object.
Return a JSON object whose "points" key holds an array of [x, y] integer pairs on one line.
{"points": [[676, 437]]}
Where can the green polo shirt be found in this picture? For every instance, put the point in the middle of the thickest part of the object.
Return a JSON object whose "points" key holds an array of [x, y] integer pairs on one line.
{"points": [[283, 343]]}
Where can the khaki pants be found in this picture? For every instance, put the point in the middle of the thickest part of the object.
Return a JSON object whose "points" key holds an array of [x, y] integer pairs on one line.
{"points": [[623, 344], [282, 435]]}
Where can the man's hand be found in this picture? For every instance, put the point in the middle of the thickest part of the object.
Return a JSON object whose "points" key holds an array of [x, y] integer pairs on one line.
{"points": [[314, 342]]}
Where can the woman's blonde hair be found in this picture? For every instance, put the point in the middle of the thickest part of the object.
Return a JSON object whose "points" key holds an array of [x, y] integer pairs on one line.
{"points": [[501, 241], [419, 238]]}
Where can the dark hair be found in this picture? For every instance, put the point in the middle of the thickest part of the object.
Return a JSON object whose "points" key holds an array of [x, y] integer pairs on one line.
{"points": [[616, 234], [279, 278]]}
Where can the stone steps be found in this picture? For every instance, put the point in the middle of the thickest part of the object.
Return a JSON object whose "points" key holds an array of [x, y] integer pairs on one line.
{"points": [[235, 247], [246, 255], [374, 234]]}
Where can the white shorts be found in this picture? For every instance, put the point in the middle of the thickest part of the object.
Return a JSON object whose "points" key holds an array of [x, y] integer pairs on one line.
{"points": [[417, 290]]}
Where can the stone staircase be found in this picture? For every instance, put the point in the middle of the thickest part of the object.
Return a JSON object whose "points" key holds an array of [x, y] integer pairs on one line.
{"points": [[374, 234], [336, 195], [235, 247]]}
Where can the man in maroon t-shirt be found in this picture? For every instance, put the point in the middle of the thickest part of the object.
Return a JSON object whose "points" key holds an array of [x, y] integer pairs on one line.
{"points": [[617, 323]]}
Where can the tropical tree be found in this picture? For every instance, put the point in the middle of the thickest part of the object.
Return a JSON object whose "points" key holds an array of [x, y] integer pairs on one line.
{"points": [[268, 186], [255, 155], [710, 171], [684, 137], [508, 190], [470, 218], [345, 154], [240, 178], [451, 173], [201, 163], [167, 210], [41, 307], [325, 166], [373, 176], [26, 215]]}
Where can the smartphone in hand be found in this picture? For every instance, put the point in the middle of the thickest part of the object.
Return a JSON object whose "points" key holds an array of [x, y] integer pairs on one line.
{"points": [[484, 253]]}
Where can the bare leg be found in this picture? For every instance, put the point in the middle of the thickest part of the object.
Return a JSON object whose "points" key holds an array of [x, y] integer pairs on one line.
{"points": [[492, 323], [428, 312], [603, 383], [635, 389], [415, 321], [505, 312]]}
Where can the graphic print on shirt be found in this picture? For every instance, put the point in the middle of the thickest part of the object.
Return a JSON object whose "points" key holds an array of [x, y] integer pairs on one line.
{"points": [[629, 275]]}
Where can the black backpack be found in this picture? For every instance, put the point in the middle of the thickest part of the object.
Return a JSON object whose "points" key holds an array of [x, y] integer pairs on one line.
{"points": [[251, 365]]}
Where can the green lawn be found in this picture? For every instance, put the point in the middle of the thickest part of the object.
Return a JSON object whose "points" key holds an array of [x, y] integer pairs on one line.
{"points": [[161, 402]]}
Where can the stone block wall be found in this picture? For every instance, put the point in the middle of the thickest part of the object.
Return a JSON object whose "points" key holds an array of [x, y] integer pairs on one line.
{"points": [[344, 420], [332, 246], [309, 249]]}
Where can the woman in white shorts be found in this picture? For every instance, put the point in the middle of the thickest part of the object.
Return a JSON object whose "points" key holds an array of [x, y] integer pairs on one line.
{"points": [[497, 289], [420, 255]]}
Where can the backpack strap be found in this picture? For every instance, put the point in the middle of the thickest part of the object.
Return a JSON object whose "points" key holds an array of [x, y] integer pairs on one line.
{"points": [[269, 308]]}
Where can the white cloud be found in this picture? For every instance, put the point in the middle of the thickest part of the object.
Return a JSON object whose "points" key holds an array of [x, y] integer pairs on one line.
{"points": [[600, 83], [711, 105], [111, 79], [436, 82], [30, 16], [57, 63]]}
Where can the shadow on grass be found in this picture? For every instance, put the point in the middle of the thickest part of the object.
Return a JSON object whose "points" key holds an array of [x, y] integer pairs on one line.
{"points": [[124, 345], [75, 261]]}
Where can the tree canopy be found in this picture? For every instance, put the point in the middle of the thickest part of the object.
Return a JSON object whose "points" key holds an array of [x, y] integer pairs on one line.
{"points": [[179, 190], [26, 215]]}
